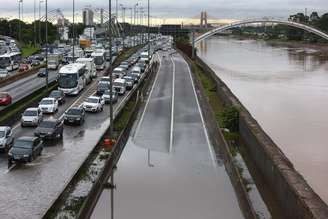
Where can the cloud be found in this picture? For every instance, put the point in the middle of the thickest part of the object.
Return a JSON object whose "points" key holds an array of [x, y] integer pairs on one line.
{"points": [[172, 8]]}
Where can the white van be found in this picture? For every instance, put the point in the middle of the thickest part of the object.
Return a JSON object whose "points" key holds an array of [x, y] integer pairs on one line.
{"points": [[136, 71], [91, 71], [120, 86], [144, 57], [119, 72]]}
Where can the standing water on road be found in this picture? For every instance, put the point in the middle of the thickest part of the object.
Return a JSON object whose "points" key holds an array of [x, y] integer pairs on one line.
{"points": [[168, 169], [286, 90]]}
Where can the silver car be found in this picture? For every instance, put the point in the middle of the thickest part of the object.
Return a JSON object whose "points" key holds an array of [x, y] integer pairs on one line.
{"points": [[31, 117], [6, 139]]}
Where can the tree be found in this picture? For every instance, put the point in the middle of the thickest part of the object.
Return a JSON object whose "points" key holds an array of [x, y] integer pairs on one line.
{"points": [[11, 28]]}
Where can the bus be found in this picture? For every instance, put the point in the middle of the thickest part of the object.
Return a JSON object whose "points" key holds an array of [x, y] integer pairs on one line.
{"points": [[71, 78], [10, 61], [99, 58]]}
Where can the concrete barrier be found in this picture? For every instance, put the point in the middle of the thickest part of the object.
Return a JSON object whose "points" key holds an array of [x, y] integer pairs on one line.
{"points": [[295, 196], [19, 76]]}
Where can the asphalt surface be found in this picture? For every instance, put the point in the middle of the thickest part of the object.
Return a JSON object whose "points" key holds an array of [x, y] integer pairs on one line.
{"points": [[27, 190], [158, 112], [24, 87], [184, 181]]}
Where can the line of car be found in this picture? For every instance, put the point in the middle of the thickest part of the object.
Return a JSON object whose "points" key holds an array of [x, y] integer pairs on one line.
{"points": [[27, 148]]}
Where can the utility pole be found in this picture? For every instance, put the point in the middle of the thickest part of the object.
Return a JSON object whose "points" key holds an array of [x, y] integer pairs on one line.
{"points": [[47, 75], [111, 119], [148, 31], [34, 23], [20, 15], [140, 24], [123, 21], [116, 5], [40, 40], [73, 30], [193, 44], [134, 24], [131, 23]]}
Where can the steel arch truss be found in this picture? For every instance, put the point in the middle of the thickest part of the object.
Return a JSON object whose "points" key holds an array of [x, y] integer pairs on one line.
{"points": [[263, 20]]}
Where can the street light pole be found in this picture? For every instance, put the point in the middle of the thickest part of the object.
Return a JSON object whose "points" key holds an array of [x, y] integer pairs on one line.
{"points": [[73, 30], [19, 18], [134, 24], [148, 32], [111, 116], [34, 23], [123, 21], [116, 5], [47, 75], [40, 40]]}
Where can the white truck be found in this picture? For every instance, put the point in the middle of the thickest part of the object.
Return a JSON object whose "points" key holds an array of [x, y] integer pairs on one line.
{"points": [[91, 71], [145, 57], [53, 62], [119, 86]]}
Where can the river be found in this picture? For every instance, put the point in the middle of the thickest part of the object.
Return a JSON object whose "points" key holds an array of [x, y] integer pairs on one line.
{"points": [[285, 88]]}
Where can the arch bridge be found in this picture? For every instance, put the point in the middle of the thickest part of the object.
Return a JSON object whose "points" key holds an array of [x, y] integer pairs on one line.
{"points": [[263, 21]]}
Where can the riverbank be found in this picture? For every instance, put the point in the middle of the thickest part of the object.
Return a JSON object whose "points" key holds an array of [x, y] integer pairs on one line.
{"points": [[295, 196]]}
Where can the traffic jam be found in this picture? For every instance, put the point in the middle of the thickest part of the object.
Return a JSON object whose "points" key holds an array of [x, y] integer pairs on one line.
{"points": [[83, 90]]}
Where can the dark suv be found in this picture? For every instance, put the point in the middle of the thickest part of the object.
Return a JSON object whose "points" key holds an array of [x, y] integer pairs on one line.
{"points": [[102, 87], [50, 129], [75, 115], [25, 149], [59, 95]]}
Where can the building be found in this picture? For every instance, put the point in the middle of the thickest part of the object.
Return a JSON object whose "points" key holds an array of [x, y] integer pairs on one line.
{"points": [[88, 15], [62, 22]]}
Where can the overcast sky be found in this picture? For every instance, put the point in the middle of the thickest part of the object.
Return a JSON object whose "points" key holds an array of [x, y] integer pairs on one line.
{"points": [[225, 9]]}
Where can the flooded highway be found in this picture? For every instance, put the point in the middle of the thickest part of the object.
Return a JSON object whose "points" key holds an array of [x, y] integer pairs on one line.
{"points": [[285, 89], [168, 169]]}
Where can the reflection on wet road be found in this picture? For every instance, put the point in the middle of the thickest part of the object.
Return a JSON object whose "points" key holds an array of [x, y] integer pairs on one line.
{"points": [[184, 182], [292, 84]]}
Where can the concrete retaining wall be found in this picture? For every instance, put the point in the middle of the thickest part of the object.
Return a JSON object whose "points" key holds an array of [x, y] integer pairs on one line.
{"points": [[295, 196]]}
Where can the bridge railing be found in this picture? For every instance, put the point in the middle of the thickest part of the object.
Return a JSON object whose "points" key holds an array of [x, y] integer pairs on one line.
{"points": [[305, 27]]}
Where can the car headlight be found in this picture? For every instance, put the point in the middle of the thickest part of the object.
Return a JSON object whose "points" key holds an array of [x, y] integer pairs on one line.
{"points": [[78, 119], [49, 133]]}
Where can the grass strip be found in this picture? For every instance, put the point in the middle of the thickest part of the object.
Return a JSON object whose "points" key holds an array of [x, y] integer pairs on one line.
{"points": [[17, 108], [29, 50]]}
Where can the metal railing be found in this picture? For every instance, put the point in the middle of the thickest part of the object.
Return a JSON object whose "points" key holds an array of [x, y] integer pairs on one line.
{"points": [[262, 20]]}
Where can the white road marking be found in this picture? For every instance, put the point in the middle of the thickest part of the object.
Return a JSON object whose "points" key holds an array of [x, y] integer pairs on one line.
{"points": [[202, 118], [11, 167], [172, 106], [147, 103]]}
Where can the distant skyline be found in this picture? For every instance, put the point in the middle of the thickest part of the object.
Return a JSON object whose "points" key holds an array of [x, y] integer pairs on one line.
{"points": [[172, 9]]}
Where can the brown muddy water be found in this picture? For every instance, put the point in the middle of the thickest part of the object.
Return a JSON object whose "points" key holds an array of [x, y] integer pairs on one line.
{"points": [[286, 89]]}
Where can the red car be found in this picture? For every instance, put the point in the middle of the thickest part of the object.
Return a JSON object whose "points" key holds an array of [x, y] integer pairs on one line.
{"points": [[5, 99], [23, 67]]}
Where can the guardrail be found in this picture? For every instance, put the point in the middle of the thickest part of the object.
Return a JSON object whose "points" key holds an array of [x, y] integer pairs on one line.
{"points": [[18, 107], [19, 75]]}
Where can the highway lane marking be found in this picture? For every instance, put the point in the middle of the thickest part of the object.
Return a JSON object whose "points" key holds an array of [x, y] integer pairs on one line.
{"points": [[149, 97], [201, 116], [172, 106]]}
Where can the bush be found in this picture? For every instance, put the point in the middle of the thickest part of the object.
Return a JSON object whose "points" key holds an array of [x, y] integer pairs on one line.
{"points": [[230, 119]]}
